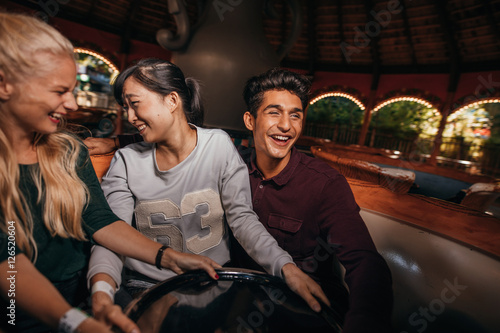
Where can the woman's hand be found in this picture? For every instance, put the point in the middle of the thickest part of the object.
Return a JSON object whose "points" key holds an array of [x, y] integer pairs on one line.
{"points": [[99, 146], [110, 314], [182, 262], [103, 307], [90, 325]]}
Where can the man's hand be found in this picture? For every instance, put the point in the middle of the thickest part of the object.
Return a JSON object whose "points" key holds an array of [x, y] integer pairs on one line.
{"points": [[110, 314], [99, 146], [180, 262], [304, 286]]}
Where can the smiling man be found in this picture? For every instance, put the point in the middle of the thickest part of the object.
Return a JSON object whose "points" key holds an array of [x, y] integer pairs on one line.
{"points": [[309, 207]]}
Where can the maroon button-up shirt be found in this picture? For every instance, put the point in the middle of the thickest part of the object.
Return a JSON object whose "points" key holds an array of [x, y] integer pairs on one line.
{"points": [[310, 209]]}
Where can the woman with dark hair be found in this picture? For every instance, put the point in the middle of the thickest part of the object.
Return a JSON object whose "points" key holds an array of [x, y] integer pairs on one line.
{"points": [[184, 186]]}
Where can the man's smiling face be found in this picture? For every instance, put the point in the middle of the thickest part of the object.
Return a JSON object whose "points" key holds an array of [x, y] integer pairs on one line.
{"points": [[277, 126]]}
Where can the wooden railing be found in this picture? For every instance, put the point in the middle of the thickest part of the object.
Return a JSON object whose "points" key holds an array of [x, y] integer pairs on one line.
{"points": [[454, 153]]}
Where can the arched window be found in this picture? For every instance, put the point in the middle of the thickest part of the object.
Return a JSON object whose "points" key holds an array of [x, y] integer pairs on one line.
{"points": [[95, 75], [335, 114], [473, 130], [97, 110], [406, 117]]}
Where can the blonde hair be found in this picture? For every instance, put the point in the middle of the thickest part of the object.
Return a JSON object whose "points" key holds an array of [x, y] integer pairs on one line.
{"points": [[64, 194], [23, 39]]}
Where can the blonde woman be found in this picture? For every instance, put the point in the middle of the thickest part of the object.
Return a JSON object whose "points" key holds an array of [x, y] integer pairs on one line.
{"points": [[51, 204]]}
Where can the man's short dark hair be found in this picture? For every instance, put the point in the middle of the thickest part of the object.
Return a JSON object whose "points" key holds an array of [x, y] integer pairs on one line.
{"points": [[275, 79]]}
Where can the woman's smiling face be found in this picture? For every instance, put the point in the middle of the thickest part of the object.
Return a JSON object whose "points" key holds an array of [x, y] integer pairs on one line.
{"points": [[38, 103], [147, 111]]}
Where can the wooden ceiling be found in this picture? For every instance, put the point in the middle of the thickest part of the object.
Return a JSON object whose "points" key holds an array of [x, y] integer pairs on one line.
{"points": [[418, 36]]}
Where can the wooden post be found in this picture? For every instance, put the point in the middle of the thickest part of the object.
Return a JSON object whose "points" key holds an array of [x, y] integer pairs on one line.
{"points": [[367, 117], [445, 112]]}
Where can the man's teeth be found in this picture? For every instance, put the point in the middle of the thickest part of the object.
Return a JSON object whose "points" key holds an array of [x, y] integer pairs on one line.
{"points": [[279, 137], [140, 128]]}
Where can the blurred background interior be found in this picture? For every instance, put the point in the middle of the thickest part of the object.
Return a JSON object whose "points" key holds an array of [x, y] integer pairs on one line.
{"points": [[416, 82], [412, 85], [405, 103]]}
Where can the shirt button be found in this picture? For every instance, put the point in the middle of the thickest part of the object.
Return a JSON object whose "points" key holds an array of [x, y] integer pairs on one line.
{"points": [[256, 201], [261, 186]]}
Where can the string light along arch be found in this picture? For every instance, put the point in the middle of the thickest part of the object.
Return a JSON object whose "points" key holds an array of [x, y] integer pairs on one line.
{"points": [[98, 56], [404, 99], [338, 94], [473, 104]]}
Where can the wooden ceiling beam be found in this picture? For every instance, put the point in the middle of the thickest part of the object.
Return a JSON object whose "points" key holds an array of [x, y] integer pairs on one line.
{"points": [[127, 28], [312, 5], [488, 10], [407, 32], [455, 59], [340, 21], [90, 12], [373, 44]]}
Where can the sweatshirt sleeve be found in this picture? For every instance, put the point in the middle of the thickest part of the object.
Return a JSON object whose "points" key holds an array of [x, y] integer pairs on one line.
{"points": [[121, 201], [243, 221], [105, 261]]}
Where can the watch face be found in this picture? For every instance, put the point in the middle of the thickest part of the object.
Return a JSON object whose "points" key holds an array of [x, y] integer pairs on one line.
{"points": [[240, 301]]}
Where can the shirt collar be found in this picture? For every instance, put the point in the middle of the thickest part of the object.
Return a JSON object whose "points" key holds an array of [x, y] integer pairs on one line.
{"points": [[284, 176]]}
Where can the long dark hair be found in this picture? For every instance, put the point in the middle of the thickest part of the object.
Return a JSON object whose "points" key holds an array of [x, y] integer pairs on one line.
{"points": [[163, 77]]}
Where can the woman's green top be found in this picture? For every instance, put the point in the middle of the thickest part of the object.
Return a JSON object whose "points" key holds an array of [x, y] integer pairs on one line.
{"points": [[59, 258]]}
